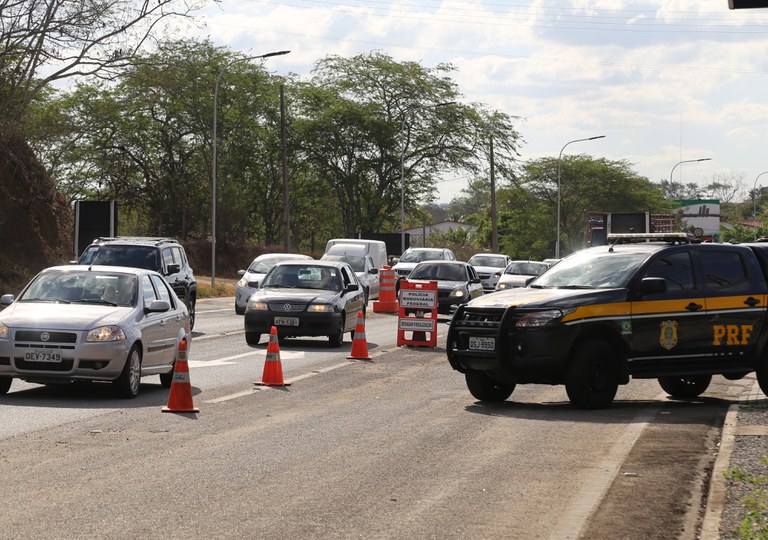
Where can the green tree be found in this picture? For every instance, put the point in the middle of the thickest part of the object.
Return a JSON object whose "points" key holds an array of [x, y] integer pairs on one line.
{"points": [[586, 185]]}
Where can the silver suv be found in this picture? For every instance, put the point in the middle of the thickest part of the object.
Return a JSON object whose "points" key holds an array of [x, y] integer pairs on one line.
{"points": [[163, 255]]}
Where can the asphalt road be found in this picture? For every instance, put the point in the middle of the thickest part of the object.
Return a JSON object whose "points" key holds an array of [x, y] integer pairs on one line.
{"points": [[394, 447]]}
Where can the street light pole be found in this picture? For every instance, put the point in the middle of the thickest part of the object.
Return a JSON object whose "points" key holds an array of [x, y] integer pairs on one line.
{"points": [[213, 139], [559, 158], [407, 111], [686, 161], [754, 200]]}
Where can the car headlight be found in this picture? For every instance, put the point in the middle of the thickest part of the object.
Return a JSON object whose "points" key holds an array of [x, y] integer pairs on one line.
{"points": [[106, 333], [540, 319], [257, 305], [243, 282], [503, 286], [320, 308], [458, 292], [4, 331]]}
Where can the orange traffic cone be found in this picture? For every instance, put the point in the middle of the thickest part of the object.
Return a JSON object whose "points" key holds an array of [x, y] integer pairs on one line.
{"points": [[273, 369], [180, 399], [359, 344]]}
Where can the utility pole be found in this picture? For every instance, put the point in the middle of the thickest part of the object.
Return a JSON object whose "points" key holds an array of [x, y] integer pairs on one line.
{"points": [[286, 212], [494, 220]]}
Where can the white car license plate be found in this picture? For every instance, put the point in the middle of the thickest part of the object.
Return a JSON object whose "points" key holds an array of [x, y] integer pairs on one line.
{"points": [[42, 356], [286, 321], [477, 343]]}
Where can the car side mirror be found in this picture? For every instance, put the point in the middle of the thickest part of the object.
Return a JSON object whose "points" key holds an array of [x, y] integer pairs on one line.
{"points": [[476, 280], [6, 300], [241, 273], [173, 268], [158, 306], [373, 271], [653, 285], [528, 280], [352, 287]]}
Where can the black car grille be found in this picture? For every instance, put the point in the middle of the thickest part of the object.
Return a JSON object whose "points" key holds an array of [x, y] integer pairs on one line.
{"points": [[181, 292], [36, 336], [287, 307], [480, 318]]}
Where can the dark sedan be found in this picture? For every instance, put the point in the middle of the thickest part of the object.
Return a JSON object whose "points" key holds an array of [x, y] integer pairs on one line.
{"points": [[305, 298], [457, 282]]}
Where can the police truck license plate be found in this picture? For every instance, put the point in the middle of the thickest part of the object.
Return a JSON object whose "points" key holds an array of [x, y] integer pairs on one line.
{"points": [[286, 321], [478, 343], [42, 356]]}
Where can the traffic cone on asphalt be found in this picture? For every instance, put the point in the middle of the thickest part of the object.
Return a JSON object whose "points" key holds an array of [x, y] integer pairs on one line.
{"points": [[273, 369], [180, 399], [359, 344]]}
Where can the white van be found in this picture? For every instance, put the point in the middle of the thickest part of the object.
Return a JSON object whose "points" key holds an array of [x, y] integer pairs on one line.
{"points": [[375, 248], [356, 255]]}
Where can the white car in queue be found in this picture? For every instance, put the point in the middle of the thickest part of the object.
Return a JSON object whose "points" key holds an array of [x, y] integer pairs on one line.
{"points": [[92, 323], [250, 278]]}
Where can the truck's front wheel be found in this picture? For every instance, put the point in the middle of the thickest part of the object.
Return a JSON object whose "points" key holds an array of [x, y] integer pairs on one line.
{"points": [[685, 387], [486, 389], [592, 379]]}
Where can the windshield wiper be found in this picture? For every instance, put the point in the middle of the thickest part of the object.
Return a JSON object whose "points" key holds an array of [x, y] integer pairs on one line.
{"points": [[575, 287]]}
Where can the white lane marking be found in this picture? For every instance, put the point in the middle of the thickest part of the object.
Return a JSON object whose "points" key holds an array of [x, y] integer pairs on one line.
{"points": [[244, 393], [215, 310], [291, 355]]}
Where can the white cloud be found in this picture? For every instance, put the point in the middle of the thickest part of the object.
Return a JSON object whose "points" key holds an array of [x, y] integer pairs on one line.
{"points": [[664, 81]]}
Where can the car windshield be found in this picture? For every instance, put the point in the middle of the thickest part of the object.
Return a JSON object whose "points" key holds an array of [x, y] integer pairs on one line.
{"points": [[135, 256], [525, 268], [357, 263], [440, 272], [262, 266], [418, 255], [296, 276], [592, 270], [82, 287], [488, 260]]}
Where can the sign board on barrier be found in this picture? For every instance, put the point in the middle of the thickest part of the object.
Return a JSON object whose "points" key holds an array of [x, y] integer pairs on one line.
{"points": [[415, 298], [412, 324]]}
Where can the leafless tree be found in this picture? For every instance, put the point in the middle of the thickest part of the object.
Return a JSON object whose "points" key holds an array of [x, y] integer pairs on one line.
{"points": [[43, 41]]}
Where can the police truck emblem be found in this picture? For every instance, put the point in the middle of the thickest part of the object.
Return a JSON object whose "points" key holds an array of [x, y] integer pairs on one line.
{"points": [[668, 337]]}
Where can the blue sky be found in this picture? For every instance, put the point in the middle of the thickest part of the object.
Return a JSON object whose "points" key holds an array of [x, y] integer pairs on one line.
{"points": [[664, 81]]}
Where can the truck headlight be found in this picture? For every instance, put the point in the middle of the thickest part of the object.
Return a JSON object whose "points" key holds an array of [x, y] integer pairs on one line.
{"points": [[539, 319]]}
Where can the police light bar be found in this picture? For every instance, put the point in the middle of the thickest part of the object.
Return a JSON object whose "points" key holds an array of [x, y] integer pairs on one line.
{"points": [[626, 238]]}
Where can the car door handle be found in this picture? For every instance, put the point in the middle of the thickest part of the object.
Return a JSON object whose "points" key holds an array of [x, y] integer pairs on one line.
{"points": [[693, 307], [751, 301]]}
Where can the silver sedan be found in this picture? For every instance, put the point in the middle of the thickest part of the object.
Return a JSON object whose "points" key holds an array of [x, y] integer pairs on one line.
{"points": [[98, 323]]}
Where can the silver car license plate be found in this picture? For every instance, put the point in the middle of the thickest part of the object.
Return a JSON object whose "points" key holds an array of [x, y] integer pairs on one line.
{"points": [[480, 343], [286, 321], [42, 356]]}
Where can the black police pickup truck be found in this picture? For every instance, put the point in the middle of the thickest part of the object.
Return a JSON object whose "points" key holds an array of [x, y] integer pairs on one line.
{"points": [[642, 307]]}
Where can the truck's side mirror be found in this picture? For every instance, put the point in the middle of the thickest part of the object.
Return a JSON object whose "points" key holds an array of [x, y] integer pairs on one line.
{"points": [[653, 285]]}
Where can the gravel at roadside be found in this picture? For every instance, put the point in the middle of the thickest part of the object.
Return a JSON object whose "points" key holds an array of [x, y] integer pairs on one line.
{"points": [[749, 443]]}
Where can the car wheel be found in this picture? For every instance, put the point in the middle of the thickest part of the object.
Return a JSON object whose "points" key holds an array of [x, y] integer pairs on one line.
{"points": [[128, 383], [252, 338], [5, 385], [592, 379], [485, 388], [191, 308], [685, 387], [337, 339]]}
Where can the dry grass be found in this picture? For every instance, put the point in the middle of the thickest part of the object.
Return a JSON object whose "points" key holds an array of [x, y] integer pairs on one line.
{"points": [[224, 287]]}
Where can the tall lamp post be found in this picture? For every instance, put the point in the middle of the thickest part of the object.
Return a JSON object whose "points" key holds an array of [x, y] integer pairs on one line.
{"points": [[754, 200], [559, 158], [213, 139], [402, 166], [687, 161]]}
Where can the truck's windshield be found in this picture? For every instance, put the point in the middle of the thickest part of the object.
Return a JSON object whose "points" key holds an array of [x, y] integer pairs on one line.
{"points": [[590, 269]]}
